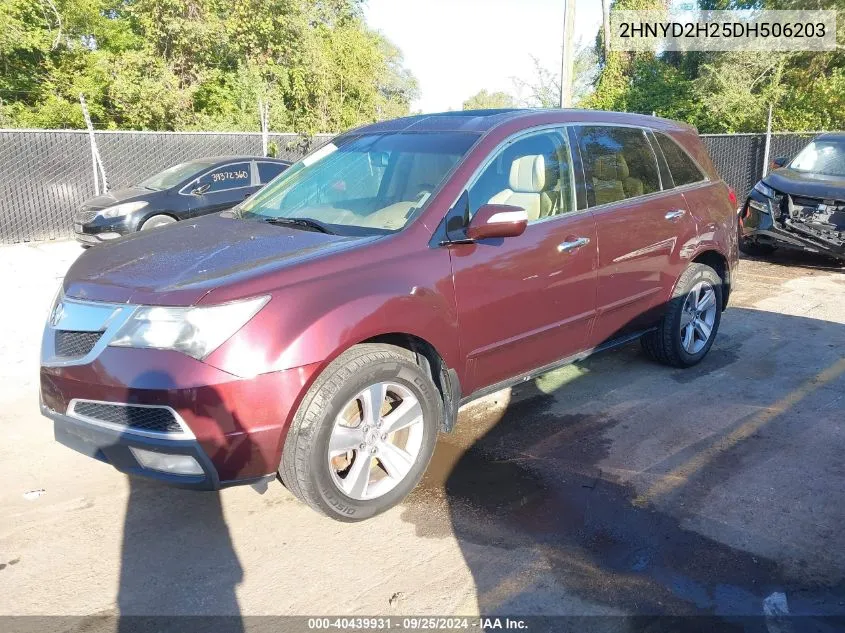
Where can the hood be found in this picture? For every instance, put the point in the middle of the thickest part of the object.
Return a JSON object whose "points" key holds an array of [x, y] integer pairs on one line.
{"points": [[800, 183], [179, 264], [119, 195]]}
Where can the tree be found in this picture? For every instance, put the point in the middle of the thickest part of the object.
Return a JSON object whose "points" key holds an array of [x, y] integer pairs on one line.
{"points": [[484, 100], [197, 64], [542, 90], [727, 91]]}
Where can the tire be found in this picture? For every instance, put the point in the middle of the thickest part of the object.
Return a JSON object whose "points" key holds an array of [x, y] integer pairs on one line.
{"points": [[156, 221], [333, 485], [667, 343]]}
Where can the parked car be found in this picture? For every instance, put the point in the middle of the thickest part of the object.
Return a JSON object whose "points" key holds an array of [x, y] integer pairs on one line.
{"points": [[800, 205], [181, 192], [330, 326]]}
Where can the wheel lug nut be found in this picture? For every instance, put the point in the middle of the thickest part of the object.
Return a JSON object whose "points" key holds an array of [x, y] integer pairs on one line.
{"points": [[362, 446], [373, 450], [384, 436]]}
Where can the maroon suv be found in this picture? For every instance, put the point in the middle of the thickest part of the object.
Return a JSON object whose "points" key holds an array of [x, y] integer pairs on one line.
{"points": [[329, 327]]}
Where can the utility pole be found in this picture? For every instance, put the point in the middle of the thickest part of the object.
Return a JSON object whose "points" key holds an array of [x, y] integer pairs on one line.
{"points": [[605, 10], [566, 62]]}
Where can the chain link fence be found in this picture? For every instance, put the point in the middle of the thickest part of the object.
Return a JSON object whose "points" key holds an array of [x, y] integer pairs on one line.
{"points": [[48, 173]]}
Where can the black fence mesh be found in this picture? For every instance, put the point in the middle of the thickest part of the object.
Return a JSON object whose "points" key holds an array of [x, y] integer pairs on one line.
{"points": [[49, 172]]}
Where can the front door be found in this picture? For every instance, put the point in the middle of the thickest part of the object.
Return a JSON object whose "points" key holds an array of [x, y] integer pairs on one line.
{"points": [[526, 301], [642, 230], [221, 188]]}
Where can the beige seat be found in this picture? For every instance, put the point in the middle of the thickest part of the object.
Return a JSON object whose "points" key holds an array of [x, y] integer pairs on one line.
{"points": [[612, 181], [527, 187]]}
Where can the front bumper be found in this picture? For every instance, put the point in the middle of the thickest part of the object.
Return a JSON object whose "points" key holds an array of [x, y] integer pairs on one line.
{"points": [[757, 223], [101, 229], [113, 447], [237, 425]]}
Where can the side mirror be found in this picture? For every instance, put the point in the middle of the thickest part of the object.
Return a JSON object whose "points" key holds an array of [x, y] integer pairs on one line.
{"points": [[200, 189], [780, 161], [497, 220]]}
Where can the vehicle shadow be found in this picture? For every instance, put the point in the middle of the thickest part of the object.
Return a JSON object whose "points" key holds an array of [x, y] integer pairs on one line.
{"points": [[794, 258], [624, 489], [178, 567]]}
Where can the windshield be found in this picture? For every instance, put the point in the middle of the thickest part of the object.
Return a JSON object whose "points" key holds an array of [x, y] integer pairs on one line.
{"points": [[825, 157], [369, 183], [172, 176]]}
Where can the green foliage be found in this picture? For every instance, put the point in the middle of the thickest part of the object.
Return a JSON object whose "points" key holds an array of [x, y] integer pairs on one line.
{"points": [[483, 100], [728, 91], [197, 64]]}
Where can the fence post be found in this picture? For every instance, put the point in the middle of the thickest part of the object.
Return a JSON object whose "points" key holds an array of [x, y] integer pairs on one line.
{"points": [[95, 153], [768, 144]]}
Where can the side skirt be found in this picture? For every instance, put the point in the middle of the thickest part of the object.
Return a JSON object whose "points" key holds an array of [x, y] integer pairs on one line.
{"points": [[510, 382]]}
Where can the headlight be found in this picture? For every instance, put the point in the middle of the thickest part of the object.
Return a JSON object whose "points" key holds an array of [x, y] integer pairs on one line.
{"points": [[766, 190], [195, 331], [124, 208]]}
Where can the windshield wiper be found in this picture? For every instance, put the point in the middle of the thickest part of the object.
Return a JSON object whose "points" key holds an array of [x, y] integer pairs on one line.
{"points": [[306, 223]]}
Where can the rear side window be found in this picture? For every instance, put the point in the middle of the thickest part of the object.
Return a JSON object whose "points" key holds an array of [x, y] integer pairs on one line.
{"points": [[618, 163], [226, 177], [268, 171], [683, 168]]}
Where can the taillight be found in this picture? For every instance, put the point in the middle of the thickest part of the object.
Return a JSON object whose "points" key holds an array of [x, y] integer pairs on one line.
{"points": [[732, 196]]}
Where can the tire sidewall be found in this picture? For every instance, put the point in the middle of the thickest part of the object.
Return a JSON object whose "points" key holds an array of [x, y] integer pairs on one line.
{"points": [[700, 273], [333, 501], [152, 222]]}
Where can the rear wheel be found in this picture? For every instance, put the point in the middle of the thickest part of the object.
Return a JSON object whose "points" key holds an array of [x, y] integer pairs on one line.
{"points": [[156, 221], [363, 435], [691, 320]]}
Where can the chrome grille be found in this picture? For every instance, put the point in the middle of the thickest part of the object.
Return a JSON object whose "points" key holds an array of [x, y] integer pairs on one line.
{"points": [[151, 418], [70, 344]]}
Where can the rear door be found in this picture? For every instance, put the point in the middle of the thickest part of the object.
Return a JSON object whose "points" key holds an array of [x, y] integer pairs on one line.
{"points": [[221, 188], [526, 301], [644, 230]]}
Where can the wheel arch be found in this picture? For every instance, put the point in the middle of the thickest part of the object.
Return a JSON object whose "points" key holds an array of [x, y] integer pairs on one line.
{"points": [[427, 357], [719, 263]]}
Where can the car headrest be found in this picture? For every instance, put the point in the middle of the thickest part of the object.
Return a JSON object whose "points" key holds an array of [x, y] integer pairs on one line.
{"points": [[610, 167], [528, 174]]}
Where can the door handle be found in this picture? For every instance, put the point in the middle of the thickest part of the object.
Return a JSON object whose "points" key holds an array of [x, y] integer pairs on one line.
{"points": [[677, 214], [568, 247]]}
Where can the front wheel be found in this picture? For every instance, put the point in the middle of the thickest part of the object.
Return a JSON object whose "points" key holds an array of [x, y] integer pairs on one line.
{"points": [[363, 435], [157, 221], [689, 325]]}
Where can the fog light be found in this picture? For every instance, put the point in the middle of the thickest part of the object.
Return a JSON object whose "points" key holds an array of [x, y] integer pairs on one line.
{"points": [[167, 463]]}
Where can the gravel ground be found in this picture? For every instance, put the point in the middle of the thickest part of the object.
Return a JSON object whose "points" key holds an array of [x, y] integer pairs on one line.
{"points": [[615, 486]]}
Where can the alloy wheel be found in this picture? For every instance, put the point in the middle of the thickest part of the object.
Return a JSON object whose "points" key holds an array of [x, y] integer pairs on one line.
{"points": [[697, 317], [375, 441]]}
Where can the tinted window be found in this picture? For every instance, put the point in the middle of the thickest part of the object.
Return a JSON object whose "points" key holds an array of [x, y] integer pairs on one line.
{"points": [[534, 173], [226, 177], [618, 163], [683, 168], [268, 171]]}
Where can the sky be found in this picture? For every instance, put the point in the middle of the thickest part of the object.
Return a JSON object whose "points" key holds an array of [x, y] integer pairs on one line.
{"points": [[457, 47]]}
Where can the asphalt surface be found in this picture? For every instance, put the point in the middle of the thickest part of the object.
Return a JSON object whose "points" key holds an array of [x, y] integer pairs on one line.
{"points": [[615, 486]]}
